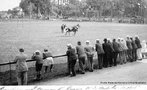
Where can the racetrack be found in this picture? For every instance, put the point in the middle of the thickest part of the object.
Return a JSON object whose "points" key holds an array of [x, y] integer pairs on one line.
{"points": [[34, 35]]}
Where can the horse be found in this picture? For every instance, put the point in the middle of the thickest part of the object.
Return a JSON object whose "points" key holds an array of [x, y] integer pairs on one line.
{"points": [[63, 27], [73, 29]]}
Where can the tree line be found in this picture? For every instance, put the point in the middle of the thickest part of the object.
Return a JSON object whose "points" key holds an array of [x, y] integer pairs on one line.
{"points": [[84, 8]]}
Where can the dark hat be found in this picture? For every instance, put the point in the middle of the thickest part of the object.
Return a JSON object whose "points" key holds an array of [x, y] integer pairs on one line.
{"points": [[105, 39]]}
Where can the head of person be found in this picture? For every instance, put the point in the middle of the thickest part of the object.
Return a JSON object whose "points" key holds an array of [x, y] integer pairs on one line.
{"points": [[105, 40], [114, 40], [45, 50], [69, 46], [136, 37], [79, 43], [37, 52], [131, 38], [21, 50], [109, 40], [128, 37], [122, 39], [87, 42], [119, 40], [97, 41]]}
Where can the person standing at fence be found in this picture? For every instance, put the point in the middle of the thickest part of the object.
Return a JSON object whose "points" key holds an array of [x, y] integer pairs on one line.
{"points": [[48, 60], [138, 43], [116, 51], [39, 63], [81, 56], [21, 67], [111, 50], [107, 53], [134, 49], [121, 57], [100, 53], [72, 58], [90, 53], [125, 48], [129, 51]]}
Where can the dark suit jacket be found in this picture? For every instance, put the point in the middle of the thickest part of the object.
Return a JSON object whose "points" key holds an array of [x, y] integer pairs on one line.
{"points": [[134, 46], [116, 47], [99, 48], [137, 41], [71, 54], [129, 45], [107, 48]]}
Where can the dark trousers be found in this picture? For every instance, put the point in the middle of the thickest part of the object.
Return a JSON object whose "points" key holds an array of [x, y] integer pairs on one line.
{"points": [[106, 59], [72, 67], [115, 55], [129, 53], [90, 63], [110, 59], [100, 61], [134, 54], [82, 64]]}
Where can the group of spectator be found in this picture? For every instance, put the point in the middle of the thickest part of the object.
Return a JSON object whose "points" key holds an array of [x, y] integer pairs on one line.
{"points": [[42, 59], [109, 53]]}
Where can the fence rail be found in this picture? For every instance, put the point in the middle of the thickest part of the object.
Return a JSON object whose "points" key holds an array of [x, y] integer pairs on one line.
{"points": [[3, 64]]}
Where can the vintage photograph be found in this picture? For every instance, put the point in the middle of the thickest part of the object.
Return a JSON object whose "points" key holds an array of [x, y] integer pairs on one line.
{"points": [[73, 42]]}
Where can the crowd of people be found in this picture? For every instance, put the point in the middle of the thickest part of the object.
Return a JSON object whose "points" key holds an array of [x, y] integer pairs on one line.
{"points": [[109, 53]]}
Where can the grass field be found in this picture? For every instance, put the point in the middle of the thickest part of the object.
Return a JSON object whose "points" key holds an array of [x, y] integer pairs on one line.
{"points": [[37, 35]]}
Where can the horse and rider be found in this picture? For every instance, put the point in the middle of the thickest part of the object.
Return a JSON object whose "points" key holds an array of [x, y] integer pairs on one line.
{"points": [[73, 29]]}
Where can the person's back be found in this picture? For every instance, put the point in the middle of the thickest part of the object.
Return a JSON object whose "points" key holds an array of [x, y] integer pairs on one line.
{"points": [[38, 59], [21, 64], [115, 46], [129, 45], [99, 48], [46, 55], [89, 50], [80, 51], [71, 54]]}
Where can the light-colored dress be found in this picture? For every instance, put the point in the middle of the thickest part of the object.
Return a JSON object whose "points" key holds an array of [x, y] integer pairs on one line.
{"points": [[48, 59]]}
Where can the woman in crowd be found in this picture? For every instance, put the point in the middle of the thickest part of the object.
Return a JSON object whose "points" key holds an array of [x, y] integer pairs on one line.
{"points": [[48, 60], [72, 58], [21, 67], [39, 63]]}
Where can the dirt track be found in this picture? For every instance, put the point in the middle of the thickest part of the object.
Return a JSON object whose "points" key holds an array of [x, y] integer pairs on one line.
{"points": [[130, 72]]}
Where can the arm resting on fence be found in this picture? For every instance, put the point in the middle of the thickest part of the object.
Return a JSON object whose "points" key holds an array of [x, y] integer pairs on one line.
{"points": [[29, 60]]}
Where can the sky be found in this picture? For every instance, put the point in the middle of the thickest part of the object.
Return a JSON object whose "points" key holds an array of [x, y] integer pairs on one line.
{"points": [[8, 4]]}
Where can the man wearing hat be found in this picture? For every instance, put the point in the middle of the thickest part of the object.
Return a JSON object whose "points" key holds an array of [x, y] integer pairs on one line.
{"points": [[138, 43], [90, 53], [72, 58], [100, 53], [21, 67], [107, 54], [129, 51]]}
